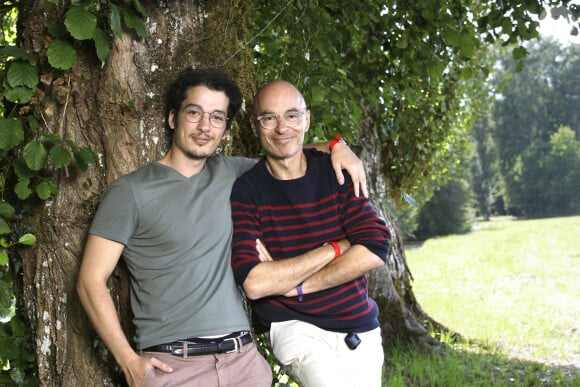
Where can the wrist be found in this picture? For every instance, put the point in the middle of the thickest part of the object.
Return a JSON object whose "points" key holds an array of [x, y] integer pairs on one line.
{"points": [[336, 248], [300, 293], [336, 140]]}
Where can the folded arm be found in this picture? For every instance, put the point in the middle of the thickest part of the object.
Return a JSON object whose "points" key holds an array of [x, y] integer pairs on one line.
{"points": [[279, 277], [353, 263]]}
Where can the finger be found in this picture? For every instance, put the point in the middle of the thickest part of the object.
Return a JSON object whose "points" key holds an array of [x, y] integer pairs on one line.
{"points": [[263, 252], [360, 183], [365, 191], [260, 250], [339, 176], [356, 186], [160, 365]]}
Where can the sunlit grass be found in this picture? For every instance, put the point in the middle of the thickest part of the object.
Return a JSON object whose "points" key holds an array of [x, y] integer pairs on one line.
{"points": [[512, 288]]}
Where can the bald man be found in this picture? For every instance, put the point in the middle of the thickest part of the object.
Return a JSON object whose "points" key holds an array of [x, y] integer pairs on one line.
{"points": [[302, 246]]}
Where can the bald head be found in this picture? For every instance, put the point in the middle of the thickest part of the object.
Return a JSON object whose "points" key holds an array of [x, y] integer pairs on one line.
{"points": [[278, 92]]}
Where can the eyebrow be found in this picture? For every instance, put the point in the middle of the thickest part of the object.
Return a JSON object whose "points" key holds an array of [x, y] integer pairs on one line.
{"points": [[291, 110], [201, 107]]}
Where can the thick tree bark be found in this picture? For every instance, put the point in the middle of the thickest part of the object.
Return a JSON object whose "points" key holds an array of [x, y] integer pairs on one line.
{"points": [[117, 110], [401, 316]]}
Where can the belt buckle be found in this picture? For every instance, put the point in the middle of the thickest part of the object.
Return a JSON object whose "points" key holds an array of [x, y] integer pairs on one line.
{"points": [[236, 341], [180, 351]]}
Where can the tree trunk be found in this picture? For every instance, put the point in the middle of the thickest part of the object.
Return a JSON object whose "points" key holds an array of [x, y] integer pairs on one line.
{"points": [[117, 110], [400, 315]]}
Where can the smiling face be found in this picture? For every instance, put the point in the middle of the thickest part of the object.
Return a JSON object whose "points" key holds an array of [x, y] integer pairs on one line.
{"points": [[284, 140], [199, 140]]}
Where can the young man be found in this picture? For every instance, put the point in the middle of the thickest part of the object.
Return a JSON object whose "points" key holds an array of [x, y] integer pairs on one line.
{"points": [[171, 222], [302, 246]]}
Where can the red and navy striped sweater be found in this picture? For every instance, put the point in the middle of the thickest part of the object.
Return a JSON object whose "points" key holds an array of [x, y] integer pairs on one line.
{"points": [[294, 216]]}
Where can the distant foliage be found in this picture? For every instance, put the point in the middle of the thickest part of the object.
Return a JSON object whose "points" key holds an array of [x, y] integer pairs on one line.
{"points": [[449, 211], [535, 127]]}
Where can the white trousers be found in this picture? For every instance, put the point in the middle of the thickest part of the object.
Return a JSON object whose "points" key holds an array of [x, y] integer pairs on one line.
{"points": [[314, 357]]}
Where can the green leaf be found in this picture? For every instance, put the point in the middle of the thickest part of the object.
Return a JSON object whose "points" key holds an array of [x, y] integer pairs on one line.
{"points": [[50, 139], [318, 96], [139, 8], [46, 189], [17, 375], [22, 190], [84, 157], [19, 94], [22, 170], [60, 156], [6, 210], [33, 123], [80, 23], [4, 227], [58, 30], [453, 37], [134, 22], [11, 133], [27, 239], [35, 155], [519, 53], [22, 74], [3, 258], [402, 42], [14, 52], [102, 44], [61, 55], [115, 20]]}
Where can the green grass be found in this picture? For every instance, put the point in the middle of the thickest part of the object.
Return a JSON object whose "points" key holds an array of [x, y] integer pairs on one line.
{"points": [[511, 289]]}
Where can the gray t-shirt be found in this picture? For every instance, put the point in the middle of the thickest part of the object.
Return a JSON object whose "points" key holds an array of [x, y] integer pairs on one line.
{"points": [[177, 234]]}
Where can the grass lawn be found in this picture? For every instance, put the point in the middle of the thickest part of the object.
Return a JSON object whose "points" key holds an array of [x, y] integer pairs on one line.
{"points": [[511, 288]]}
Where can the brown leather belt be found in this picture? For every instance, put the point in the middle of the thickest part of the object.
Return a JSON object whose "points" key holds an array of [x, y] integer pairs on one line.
{"points": [[189, 347]]}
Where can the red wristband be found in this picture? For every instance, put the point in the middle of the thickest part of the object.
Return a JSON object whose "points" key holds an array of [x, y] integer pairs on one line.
{"points": [[337, 250], [335, 141]]}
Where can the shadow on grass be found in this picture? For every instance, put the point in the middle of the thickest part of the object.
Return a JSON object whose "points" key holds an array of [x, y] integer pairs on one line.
{"points": [[469, 363]]}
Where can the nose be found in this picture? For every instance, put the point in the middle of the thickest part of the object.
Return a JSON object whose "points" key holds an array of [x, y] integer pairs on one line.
{"points": [[281, 124], [204, 123]]}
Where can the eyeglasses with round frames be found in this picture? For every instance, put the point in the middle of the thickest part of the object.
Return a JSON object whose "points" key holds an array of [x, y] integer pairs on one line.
{"points": [[270, 120], [194, 114]]}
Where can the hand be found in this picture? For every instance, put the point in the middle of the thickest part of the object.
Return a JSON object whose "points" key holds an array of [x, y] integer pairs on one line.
{"points": [[343, 158], [138, 367], [263, 253]]}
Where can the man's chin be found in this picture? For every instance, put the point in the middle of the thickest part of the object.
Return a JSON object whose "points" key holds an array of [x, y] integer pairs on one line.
{"points": [[198, 155]]}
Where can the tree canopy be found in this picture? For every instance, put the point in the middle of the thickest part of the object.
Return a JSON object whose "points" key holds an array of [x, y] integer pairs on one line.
{"points": [[418, 70]]}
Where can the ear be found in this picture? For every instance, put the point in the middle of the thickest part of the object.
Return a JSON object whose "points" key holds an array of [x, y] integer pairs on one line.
{"points": [[307, 124], [254, 126], [171, 119], [226, 134]]}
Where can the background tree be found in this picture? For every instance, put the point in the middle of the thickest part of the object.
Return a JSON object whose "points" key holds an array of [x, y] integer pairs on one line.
{"points": [[451, 208], [485, 177], [400, 80], [530, 109], [560, 193]]}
